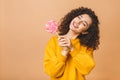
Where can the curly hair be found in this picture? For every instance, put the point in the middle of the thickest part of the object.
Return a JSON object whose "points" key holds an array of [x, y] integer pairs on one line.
{"points": [[91, 40]]}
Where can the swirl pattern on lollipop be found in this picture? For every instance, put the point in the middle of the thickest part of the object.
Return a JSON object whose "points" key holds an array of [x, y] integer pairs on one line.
{"points": [[51, 26]]}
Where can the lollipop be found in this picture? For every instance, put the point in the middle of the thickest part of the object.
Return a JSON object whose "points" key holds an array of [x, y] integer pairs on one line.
{"points": [[51, 26]]}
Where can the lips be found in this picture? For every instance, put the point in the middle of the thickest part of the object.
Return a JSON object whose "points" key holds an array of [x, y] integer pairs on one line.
{"points": [[75, 25]]}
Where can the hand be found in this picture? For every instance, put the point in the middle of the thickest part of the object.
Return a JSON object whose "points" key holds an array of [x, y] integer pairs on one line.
{"points": [[65, 43]]}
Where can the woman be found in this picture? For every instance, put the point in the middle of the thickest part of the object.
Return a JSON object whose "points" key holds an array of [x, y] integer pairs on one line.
{"points": [[69, 56]]}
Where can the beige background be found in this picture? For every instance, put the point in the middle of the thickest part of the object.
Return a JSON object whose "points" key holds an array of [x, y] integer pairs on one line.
{"points": [[23, 37]]}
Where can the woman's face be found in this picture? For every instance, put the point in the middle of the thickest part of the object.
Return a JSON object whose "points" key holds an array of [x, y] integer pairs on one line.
{"points": [[80, 23]]}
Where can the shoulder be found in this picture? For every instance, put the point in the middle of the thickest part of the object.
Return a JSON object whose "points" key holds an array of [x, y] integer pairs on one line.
{"points": [[86, 49], [53, 39]]}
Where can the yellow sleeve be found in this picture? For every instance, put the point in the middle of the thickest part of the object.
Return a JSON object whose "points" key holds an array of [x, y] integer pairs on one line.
{"points": [[83, 60], [53, 65]]}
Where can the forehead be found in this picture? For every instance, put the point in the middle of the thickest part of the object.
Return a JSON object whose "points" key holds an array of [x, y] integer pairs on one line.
{"points": [[87, 18]]}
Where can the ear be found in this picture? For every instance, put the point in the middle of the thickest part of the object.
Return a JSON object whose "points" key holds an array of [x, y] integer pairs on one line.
{"points": [[84, 32]]}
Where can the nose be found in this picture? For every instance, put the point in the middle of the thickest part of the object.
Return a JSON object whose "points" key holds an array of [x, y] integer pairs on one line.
{"points": [[79, 22]]}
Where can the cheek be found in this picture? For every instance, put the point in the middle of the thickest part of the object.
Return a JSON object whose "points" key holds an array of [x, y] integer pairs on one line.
{"points": [[82, 28], [70, 26]]}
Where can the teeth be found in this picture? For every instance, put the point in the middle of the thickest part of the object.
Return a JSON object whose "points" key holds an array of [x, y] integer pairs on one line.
{"points": [[75, 25]]}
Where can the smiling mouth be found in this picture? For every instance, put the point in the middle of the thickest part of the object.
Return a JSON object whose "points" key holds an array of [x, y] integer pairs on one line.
{"points": [[75, 25]]}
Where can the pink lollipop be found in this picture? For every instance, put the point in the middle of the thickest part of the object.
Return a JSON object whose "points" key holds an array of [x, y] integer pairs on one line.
{"points": [[51, 26]]}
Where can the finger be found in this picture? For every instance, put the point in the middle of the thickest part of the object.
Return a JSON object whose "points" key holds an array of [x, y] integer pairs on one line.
{"points": [[61, 37], [63, 44], [62, 40]]}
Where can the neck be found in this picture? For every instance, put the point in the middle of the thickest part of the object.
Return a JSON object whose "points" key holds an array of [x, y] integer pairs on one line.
{"points": [[72, 35]]}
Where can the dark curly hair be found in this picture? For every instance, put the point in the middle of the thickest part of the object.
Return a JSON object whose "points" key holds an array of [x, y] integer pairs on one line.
{"points": [[91, 40]]}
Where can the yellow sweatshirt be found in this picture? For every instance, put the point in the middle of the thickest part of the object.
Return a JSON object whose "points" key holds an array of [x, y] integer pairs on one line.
{"points": [[75, 66]]}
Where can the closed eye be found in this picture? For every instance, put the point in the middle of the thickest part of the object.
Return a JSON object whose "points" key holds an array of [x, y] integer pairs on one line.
{"points": [[83, 22]]}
